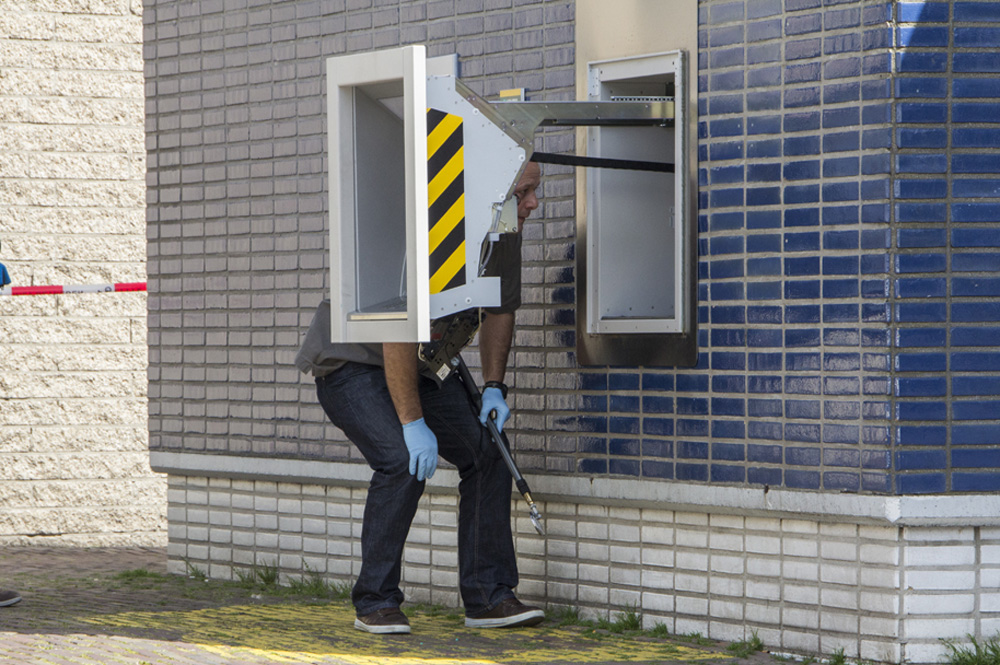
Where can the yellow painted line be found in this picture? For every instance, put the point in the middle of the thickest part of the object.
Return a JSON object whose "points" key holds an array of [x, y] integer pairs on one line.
{"points": [[448, 221], [448, 269], [441, 133], [446, 176], [326, 634]]}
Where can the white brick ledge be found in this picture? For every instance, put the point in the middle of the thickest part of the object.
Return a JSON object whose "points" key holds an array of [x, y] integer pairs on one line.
{"points": [[934, 510]]}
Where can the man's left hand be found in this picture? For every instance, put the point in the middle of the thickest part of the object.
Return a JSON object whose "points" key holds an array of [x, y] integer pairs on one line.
{"points": [[493, 401]]}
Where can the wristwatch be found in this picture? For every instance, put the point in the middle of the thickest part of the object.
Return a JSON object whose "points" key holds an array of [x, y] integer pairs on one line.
{"points": [[497, 384]]}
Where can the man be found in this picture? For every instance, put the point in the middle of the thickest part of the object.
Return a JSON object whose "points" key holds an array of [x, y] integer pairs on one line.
{"points": [[394, 411]]}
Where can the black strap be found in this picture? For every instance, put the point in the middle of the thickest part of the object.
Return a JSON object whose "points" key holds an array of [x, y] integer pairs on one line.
{"points": [[601, 162]]}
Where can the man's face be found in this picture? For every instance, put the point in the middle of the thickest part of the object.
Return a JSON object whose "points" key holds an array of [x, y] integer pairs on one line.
{"points": [[527, 201]]}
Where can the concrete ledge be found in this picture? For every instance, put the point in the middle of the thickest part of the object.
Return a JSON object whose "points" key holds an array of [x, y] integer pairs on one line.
{"points": [[936, 510]]}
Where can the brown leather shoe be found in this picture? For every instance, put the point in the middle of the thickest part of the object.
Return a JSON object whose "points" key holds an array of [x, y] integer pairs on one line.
{"points": [[383, 622], [9, 598], [510, 613]]}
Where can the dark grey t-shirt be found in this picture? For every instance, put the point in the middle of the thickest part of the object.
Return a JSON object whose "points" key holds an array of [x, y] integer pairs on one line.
{"points": [[320, 356]]}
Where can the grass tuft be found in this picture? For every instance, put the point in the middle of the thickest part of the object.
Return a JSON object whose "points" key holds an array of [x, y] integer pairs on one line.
{"points": [[744, 648], [977, 653]]}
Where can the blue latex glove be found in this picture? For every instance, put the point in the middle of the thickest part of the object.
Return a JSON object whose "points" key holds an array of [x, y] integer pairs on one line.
{"points": [[493, 399], [423, 448]]}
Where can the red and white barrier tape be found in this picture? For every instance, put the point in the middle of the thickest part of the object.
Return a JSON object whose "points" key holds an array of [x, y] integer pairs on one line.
{"points": [[80, 288]]}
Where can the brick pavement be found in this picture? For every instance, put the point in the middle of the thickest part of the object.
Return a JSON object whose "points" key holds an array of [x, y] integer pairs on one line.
{"points": [[104, 606]]}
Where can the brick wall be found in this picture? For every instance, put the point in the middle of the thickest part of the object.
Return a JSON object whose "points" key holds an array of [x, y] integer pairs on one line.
{"points": [[74, 463]]}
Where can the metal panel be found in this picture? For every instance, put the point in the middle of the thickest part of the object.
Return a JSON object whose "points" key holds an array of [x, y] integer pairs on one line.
{"points": [[376, 106]]}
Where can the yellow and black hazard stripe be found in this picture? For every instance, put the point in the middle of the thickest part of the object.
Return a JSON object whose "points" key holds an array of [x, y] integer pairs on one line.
{"points": [[446, 200]]}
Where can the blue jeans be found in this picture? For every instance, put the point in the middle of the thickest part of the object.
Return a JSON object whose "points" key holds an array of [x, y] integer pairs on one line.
{"points": [[357, 400]]}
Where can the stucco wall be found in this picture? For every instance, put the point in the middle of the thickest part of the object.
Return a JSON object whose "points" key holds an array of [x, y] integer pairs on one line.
{"points": [[74, 466]]}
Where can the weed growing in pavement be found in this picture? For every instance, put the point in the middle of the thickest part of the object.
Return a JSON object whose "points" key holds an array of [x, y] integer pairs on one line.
{"points": [[564, 616], [838, 657], [746, 647], [980, 653], [194, 572]]}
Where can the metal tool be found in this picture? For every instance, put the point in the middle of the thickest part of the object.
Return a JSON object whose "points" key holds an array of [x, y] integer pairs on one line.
{"points": [[476, 398]]}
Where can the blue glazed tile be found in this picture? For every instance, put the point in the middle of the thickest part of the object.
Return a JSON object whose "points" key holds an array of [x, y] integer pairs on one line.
{"points": [[841, 68], [764, 362], [764, 314], [763, 77], [985, 336], [873, 190], [841, 362], [803, 48], [841, 337], [593, 403], [764, 173], [921, 435], [871, 313], [764, 267], [723, 198], [802, 409], [921, 411], [841, 386], [921, 288], [975, 482], [840, 215], [975, 112], [722, 314], [872, 213], [876, 114], [921, 387], [931, 137], [622, 404], [977, 37], [976, 286], [841, 410], [967, 435], [922, 112], [801, 242], [977, 11], [983, 311], [841, 93], [724, 406], [922, 87], [657, 382], [691, 406], [757, 125], [921, 189], [764, 384], [927, 12], [769, 100], [843, 18], [657, 426], [802, 385], [798, 456], [722, 175], [726, 127], [800, 362], [976, 63], [975, 385], [764, 476], [875, 435], [727, 81], [922, 337], [909, 238], [975, 212], [797, 479], [839, 480], [979, 361], [877, 362], [657, 448], [728, 384], [726, 151], [763, 8], [764, 148], [801, 338], [727, 245], [875, 410], [764, 454], [876, 239], [593, 466], [921, 312], [922, 36], [764, 408], [728, 337], [595, 424], [921, 212], [802, 145], [912, 263], [727, 429], [725, 36], [799, 194], [920, 483], [622, 467], [841, 265], [764, 243], [841, 167], [802, 266], [801, 122], [691, 471], [984, 410], [876, 89], [802, 289], [763, 196], [921, 163], [727, 291], [981, 237], [589, 444], [975, 458], [962, 137], [835, 433], [732, 57], [973, 88], [622, 425], [628, 447], [728, 360], [655, 469], [727, 221], [727, 13], [802, 314], [623, 381], [800, 97], [763, 53], [978, 188], [768, 431], [692, 450], [844, 43], [911, 62], [840, 288], [727, 473]]}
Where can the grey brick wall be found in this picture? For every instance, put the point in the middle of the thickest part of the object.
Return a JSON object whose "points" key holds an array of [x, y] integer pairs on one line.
{"points": [[237, 214]]}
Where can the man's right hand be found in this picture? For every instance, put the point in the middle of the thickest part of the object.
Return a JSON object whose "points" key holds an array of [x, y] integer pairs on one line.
{"points": [[423, 448]]}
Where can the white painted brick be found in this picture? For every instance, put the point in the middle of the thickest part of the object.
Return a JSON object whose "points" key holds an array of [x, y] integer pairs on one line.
{"points": [[802, 595], [561, 548], [726, 541], [692, 560], [689, 538], [832, 574], [938, 604], [657, 602], [940, 556], [989, 601], [691, 606], [925, 534], [879, 603], [621, 554], [764, 567], [658, 557], [593, 595], [696, 519], [731, 565], [763, 590], [719, 585], [939, 628], [832, 530], [879, 627], [990, 555], [594, 552], [839, 598], [593, 574], [800, 548], [626, 598], [760, 544], [655, 579], [592, 530], [761, 616], [886, 578], [839, 551], [932, 652], [800, 569], [795, 640], [690, 625], [624, 533], [932, 580], [626, 576], [799, 526], [832, 643], [729, 632], [691, 583], [658, 535]]}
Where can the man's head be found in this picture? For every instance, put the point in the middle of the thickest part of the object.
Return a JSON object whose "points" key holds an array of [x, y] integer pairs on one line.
{"points": [[527, 201]]}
